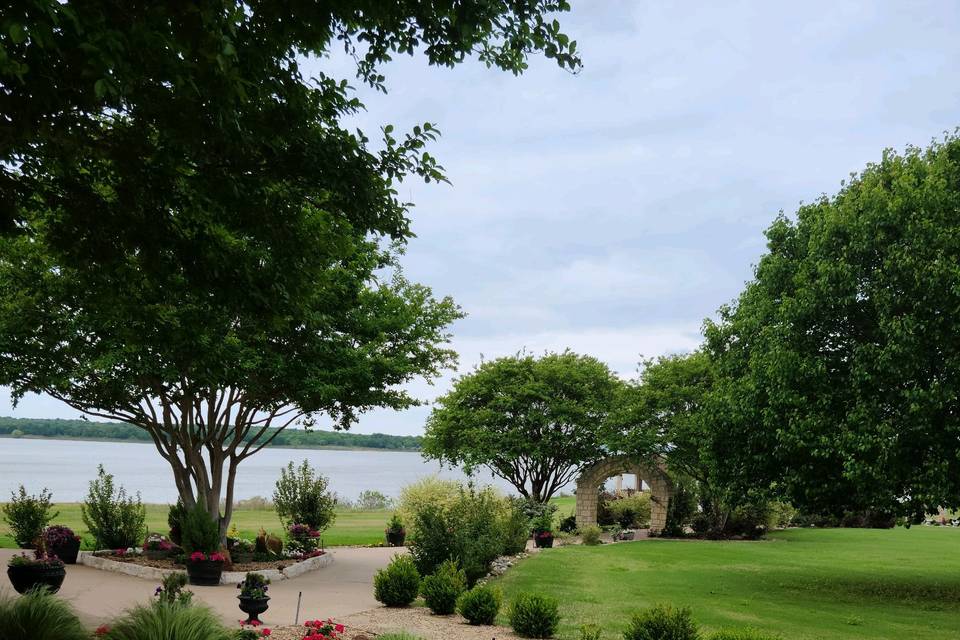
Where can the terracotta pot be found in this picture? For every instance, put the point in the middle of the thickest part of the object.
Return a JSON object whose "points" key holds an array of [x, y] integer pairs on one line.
{"points": [[253, 607], [26, 577], [204, 573]]}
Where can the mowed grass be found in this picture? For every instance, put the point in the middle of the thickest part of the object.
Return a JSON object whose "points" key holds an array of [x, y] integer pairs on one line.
{"points": [[349, 528], [803, 584]]}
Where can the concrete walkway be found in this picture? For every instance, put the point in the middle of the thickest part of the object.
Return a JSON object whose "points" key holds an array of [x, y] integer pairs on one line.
{"points": [[342, 588]]}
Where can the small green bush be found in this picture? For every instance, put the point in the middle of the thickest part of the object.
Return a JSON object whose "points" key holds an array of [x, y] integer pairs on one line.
{"points": [[480, 605], [28, 515], [115, 520], [165, 620], [200, 532], [39, 614], [398, 584], [302, 497], [662, 622], [176, 514], [514, 528], [590, 535], [441, 590], [742, 634], [590, 632], [534, 616], [631, 511]]}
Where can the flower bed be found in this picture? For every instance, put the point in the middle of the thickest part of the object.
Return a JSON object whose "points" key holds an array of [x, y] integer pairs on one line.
{"points": [[132, 563]]}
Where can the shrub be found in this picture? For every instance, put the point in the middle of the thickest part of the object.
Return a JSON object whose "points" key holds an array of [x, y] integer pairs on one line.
{"points": [[631, 511], [172, 591], [441, 590], [662, 622], [480, 605], [301, 497], [534, 616], [514, 529], [27, 516], [590, 535], [175, 517], [398, 584], [429, 491], [680, 511], [200, 532], [568, 524], [165, 620], [115, 520], [590, 632], [742, 634], [468, 531], [39, 614]]}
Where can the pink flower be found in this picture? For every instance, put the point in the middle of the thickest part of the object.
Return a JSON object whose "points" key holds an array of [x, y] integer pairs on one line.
{"points": [[265, 632], [218, 557], [197, 556], [102, 630]]}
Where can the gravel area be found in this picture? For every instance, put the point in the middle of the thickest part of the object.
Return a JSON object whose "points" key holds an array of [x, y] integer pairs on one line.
{"points": [[416, 620]]}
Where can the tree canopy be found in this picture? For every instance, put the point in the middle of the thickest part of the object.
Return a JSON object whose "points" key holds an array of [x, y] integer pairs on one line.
{"points": [[535, 422], [194, 243], [838, 368]]}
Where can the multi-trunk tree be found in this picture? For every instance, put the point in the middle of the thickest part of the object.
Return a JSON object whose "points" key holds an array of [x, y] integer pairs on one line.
{"points": [[192, 242]]}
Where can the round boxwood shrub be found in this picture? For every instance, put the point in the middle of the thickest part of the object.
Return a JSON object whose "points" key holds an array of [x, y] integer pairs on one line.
{"points": [[534, 615], [480, 605], [398, 584], [662, 622], [441, 590]]}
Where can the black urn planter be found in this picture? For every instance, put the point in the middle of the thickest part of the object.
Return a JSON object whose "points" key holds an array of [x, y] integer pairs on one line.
{"points": [[543, 542], [67, 551], [253, 607], [396, 538], [26, 577], [204, 573]]}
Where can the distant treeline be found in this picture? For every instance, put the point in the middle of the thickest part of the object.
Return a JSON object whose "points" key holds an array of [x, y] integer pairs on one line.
{"points": [[55, 428]]}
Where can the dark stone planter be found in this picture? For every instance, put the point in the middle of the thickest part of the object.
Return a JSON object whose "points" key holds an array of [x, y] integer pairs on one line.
{"points": [[66, 552], [396, 538], [27, 577], [205, 573], [543, 542], [253, 607]]}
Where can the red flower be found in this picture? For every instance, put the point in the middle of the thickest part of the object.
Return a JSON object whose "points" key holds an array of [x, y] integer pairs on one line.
{"points": [[265, 632], [102, 630]]}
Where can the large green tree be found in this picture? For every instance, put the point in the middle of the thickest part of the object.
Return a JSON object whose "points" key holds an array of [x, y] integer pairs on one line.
{"points": [[535, 422], [838, 368], [193, 242]]}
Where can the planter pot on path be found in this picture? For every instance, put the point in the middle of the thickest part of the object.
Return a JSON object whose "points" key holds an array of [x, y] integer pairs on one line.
{"points": [[205, 573], [396, 538], [26, 577], [66, 552], [253, 607], [543, 542]]}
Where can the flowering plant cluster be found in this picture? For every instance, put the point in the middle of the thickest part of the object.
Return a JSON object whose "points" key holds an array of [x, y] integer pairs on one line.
{"points": [[254, 585], [251, 634], [157, 542], [58, 535], [323, 630], [39, 558], [200, 556], [101, 631], [129, 551], [302, 532], [243, 545], [544, 534], [172, 589]]}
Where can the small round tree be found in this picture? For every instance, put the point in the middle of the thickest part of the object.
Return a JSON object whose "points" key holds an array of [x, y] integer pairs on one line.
{"points": [[535, 422]]}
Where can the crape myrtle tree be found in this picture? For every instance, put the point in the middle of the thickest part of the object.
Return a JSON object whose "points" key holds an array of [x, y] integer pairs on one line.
{"points": [[838, 368], [192, 242], [533, 421]]}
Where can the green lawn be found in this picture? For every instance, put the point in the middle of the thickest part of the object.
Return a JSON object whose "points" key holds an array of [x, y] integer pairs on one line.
{"points": [[350, 527], [804, 584]]}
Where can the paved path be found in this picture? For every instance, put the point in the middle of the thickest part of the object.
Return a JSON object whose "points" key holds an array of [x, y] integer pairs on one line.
{"points": [[342, 588]]}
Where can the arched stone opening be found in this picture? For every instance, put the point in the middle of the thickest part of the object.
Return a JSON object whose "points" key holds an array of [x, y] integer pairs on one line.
{"points": [[654, 474]]}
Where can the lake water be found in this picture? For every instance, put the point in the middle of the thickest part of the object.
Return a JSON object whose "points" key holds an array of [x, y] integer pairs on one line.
{"points": [[65, 467]]}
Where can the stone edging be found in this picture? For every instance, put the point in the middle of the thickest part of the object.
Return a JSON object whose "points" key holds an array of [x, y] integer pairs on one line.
{"points": [[227, 577]]}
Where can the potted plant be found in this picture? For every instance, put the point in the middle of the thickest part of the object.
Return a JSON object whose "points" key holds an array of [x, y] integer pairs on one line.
{"points": [[204, 570], [62, 542], [395, 532], [26, 572], [543, 532], [253, 597], [157, 547], [242, 551]]}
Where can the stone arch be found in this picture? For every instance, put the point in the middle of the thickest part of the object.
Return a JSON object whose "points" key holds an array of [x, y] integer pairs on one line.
{"points": [[654, 473]]}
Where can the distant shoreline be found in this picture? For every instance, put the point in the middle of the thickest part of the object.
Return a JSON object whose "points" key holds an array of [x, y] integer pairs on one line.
{"points": [[150, 442]]}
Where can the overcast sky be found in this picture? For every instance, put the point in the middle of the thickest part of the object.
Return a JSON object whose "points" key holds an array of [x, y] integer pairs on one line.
{"points": [[613, 210]]}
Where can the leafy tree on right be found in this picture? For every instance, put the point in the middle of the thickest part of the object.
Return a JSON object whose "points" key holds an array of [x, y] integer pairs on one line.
{"points": [[838, 368]]}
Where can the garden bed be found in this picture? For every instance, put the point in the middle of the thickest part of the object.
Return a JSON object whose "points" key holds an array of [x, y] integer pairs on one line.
{"points": [[418, 621], [142, 567]]}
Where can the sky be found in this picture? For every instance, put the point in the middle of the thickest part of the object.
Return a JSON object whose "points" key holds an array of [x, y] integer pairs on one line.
{"points": [[613, 210]]}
